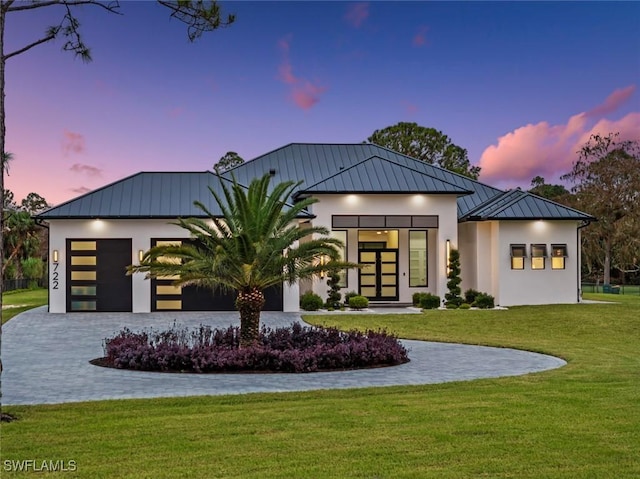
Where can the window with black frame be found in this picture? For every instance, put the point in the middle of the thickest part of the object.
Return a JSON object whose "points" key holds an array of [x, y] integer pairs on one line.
{"points": [[538, 256], [558, 255], [518, 254]]}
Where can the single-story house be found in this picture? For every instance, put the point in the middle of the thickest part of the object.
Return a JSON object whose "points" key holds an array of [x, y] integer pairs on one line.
{"points": [[396, 215]]}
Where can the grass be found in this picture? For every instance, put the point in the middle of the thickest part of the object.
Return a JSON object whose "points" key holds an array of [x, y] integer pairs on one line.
{"points": [[22, 300], [579, 421]]}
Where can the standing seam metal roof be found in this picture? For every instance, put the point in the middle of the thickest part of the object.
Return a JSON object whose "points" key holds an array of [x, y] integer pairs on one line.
{"points": [[314, 163], [518, 205], [146, 195], [361, 167], [380, 175]]}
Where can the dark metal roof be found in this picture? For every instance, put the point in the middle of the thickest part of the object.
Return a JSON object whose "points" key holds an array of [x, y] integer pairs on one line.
{"points": [[323, 168], [520, 205], [380, 175], [146, 195], [314, 163]]}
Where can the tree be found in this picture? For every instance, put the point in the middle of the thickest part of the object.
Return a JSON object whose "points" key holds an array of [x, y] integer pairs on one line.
{"points": [[230, 160], [606, 184], [425, 144], [8, 201], [199, 15], [21, 238], [256, 244], [551, 192], [453, 276], [6, 158], [33, 204]]}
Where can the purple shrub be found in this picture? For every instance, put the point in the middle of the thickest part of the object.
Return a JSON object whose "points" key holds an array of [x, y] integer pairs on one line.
{"points": [[294, 349]]}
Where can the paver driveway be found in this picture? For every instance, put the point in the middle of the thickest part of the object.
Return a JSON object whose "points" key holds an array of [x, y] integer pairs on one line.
{"points": [[46, 360]]}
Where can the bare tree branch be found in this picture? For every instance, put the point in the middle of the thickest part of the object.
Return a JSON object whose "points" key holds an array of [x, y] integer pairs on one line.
{"points": [[112, 6], [29, 47]]}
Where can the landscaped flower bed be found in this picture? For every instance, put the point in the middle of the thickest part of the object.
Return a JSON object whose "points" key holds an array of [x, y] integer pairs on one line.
{"points": [[293, 350]]}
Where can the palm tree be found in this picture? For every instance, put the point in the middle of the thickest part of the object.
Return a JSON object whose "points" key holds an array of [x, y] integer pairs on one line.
{"points": [[254, 245]]}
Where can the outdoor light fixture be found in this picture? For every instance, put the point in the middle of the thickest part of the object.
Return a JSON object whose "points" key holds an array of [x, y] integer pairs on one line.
{"points": [[448, 253], [56, 258], [140, 255], [323, 261]]}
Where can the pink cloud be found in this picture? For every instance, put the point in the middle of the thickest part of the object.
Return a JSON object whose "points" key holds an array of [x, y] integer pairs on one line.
{"points": [[286, 73], [307, 94], [72, 143], [410, 108], [420, 38], [304, 93], [613, 102], [550, 150], [357, 13], [86, 170]]}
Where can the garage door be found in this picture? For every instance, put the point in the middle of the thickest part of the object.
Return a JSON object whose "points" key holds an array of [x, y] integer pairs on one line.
{"points": [[96, 275], [167, 297]]}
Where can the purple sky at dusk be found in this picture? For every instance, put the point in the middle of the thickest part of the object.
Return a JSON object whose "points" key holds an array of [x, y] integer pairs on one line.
{"points": [[520, 85]]}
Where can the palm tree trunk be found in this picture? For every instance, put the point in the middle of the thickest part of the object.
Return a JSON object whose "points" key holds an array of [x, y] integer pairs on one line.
{"points": [[249, 303]]}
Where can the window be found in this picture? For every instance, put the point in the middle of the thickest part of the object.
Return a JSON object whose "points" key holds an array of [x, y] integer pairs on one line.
{"points": [[538, 256], [342, 236], [417, 258], [518, 254], [558, 254]]}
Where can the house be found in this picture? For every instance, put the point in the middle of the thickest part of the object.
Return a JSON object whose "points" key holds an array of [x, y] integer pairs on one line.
{"points": [[397, 216]]}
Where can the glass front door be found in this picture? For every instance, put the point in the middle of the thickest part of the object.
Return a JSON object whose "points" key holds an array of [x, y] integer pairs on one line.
{"points": [[378, 277]]}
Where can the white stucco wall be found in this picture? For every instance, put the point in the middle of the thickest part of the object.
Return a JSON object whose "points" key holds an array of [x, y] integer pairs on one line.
{"points": [[517, 287], [140, 232], [467, 245], [443, 206]]}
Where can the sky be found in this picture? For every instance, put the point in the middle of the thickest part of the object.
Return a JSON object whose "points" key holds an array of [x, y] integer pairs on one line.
{"points": [[520, 85]]}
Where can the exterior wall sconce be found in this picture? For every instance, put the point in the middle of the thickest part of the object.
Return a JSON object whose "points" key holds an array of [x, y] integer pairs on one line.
{"points": [[323, 261], [56, 256], [140, 255], [448, 253]]}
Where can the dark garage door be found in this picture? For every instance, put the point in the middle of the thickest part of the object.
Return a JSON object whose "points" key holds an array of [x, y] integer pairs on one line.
{"points": [[166, 297], [96, 276]]}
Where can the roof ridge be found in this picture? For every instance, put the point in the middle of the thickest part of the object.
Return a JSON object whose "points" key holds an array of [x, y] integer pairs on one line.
{"points": [[486, 203], [518, 196], [547, 200], [373, 157], [435, 166]]}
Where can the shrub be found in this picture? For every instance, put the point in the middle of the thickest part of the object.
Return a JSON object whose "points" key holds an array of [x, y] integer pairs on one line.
{"points": [[358, 302], [454, 280], [429, 301], [416, 298], [293, 349], [348, 296], [465, 306], [310, 301], [32, 268], [470, 295], [333, 294], [484, 301], [451, 305]]}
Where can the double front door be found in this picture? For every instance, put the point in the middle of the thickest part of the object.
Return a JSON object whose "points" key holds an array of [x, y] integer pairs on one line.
{"points": [[378, 278]]}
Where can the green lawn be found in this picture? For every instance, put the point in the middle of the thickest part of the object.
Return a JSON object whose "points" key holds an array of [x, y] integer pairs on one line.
{"points": [[580, 421], [21, 300]]}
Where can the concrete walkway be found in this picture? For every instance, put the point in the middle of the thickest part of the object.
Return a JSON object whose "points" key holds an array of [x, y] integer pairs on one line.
{"points": [[46, 360]]}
